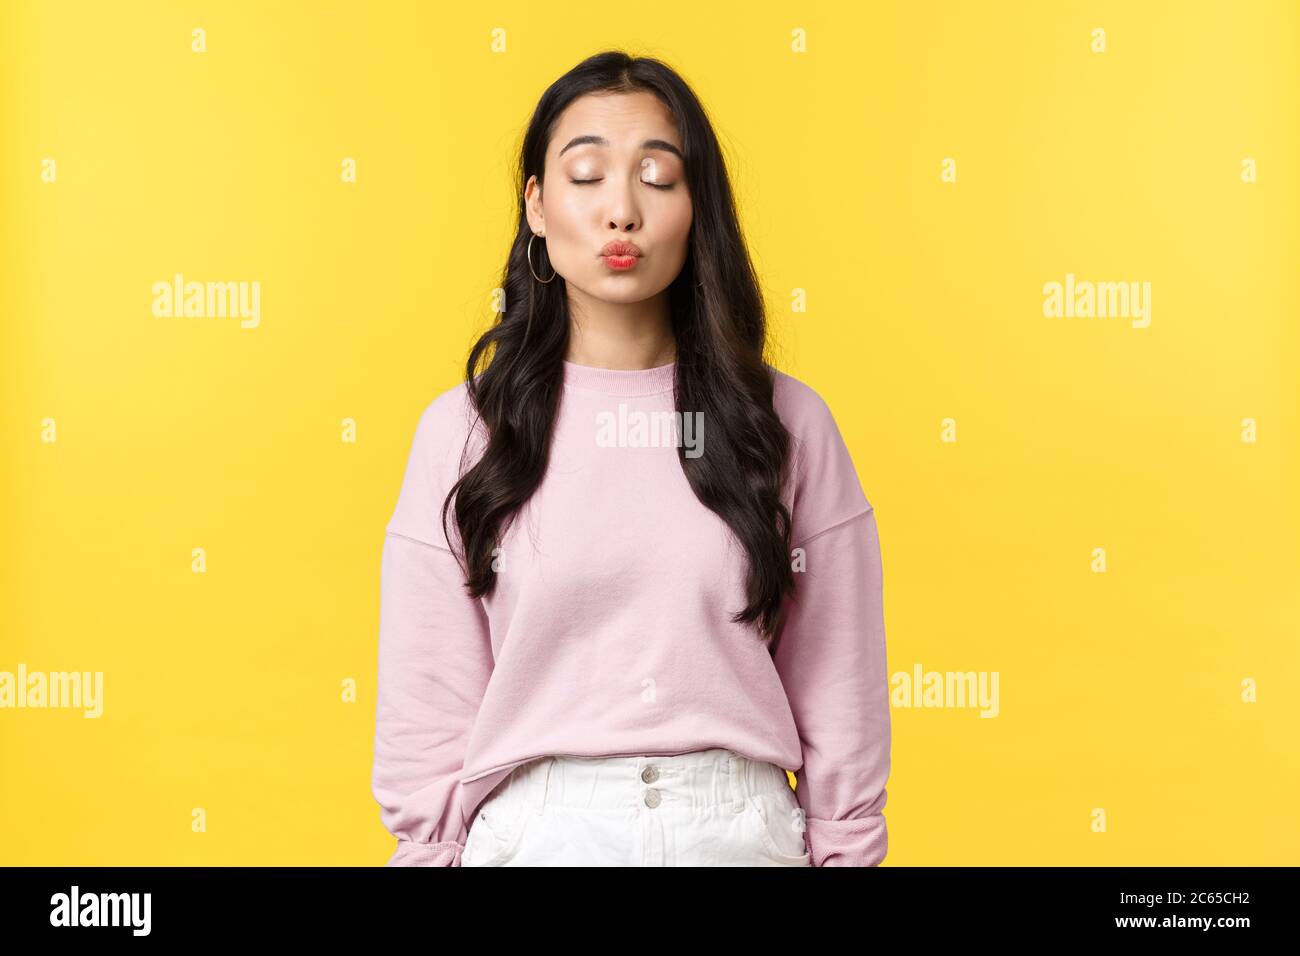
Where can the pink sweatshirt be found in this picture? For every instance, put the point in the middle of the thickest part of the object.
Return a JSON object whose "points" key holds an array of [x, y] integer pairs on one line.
{"points": [[609, 630]]}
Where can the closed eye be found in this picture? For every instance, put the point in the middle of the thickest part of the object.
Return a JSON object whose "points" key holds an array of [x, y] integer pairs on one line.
{"points": [[586, 182]]}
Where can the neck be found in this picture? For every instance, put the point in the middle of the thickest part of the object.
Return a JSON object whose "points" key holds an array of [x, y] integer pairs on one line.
{"points": [[620, 335]]}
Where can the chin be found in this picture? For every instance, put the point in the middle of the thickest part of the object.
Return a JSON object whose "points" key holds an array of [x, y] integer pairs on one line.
{"points": [[621, 289]]}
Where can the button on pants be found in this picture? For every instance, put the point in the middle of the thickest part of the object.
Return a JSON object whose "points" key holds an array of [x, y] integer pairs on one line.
{"points": [[705, 808]]}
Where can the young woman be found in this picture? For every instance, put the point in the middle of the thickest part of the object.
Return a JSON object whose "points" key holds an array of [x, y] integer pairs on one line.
{"points": [[631, 578]]}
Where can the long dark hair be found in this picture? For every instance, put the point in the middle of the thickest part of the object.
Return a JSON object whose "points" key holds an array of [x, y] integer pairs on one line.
{"points": [[720, 329]]}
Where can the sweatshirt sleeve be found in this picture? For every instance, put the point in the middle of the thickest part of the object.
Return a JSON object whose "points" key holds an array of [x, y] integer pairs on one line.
{"points": [[831, 654], [435, 658]]}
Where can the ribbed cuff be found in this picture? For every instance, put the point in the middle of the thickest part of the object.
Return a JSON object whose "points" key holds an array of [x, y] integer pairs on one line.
{"points": [[426, 854], [860, 842]]}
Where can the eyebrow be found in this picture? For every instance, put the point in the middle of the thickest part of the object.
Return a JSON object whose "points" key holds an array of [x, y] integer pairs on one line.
{"points": [[602, 141]]}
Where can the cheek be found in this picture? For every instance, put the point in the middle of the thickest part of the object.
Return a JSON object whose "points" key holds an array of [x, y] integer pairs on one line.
{"points": [[568, 231], [677, 227], [677, 220], [566, 213]]}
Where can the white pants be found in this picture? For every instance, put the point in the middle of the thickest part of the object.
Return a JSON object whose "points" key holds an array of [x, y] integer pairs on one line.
{"points": [[706, 808]]}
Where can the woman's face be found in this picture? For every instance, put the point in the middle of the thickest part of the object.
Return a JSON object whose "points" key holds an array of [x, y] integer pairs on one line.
{"points": [[614, 172]]}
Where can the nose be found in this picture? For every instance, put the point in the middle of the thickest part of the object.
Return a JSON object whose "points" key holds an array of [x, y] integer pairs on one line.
{"points": [[623, 215]]}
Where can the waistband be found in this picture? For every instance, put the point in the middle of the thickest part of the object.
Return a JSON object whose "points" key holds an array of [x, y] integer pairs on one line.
{"points": [[715, 777]]}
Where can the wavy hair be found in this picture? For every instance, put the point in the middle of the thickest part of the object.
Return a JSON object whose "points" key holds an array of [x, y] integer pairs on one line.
{"points": [[514, 374]]}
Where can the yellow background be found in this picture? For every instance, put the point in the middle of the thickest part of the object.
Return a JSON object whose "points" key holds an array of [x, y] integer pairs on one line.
{"points": [[1119, 691]]}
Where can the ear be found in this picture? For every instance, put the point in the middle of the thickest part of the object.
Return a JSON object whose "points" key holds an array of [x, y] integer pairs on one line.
{"points": [[533, 205]]}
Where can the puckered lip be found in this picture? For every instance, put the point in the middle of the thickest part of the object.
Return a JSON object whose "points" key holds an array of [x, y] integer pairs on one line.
{"points": [[620, 248]]}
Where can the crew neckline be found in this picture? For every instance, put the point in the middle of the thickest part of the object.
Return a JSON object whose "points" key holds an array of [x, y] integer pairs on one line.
{"points": [[620, 381]]}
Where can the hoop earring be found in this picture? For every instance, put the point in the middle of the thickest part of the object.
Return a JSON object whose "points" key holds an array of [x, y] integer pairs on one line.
{"points": [[529, 256]]}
